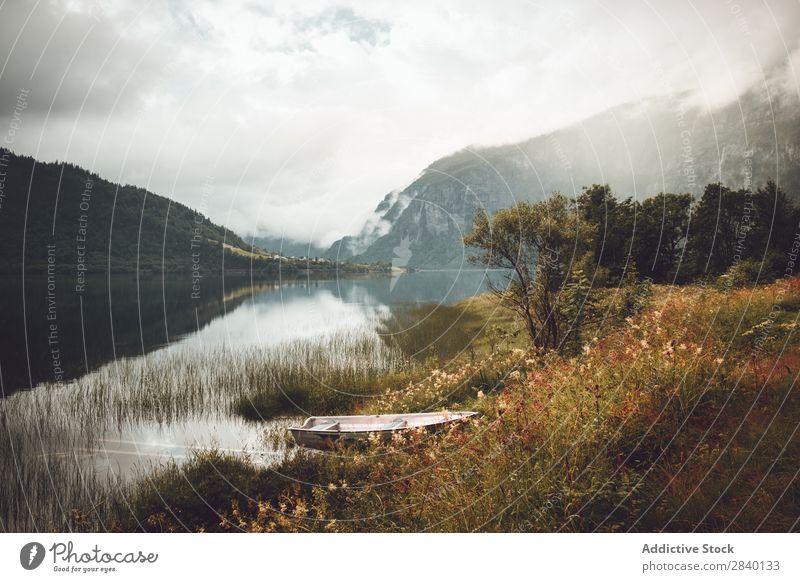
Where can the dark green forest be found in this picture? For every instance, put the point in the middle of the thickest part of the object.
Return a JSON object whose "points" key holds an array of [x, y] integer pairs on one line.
{"points": [[79, 220], [673, 238]]}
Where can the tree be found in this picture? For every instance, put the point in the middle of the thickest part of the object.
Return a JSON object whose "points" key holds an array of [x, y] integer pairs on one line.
{"points": [[775, 223], [578, 306], [729, 226], [539, 244], [613, 222], [720, 223], [660, 234]]}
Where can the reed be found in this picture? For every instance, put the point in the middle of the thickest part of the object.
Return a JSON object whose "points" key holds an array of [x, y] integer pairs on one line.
{"points": [[683, 418], [50, 437], [318, 378]]}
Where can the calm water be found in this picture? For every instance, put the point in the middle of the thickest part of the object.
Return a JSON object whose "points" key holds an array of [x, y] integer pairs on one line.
{"points": [[52, 335]]}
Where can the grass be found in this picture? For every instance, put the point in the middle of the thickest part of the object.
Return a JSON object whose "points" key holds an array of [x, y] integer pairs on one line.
{"points": [[253, 254], [46, 480], [442, 333], [415, 339], [212, 475], [316, 379], [683, 418], [680, 417]]}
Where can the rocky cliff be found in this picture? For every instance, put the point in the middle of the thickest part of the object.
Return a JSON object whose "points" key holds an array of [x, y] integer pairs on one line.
{"points": [[639, 149]]}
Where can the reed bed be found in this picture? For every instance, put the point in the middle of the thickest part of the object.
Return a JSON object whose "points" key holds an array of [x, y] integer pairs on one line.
{"points": [[48, 479], [684, 418]]}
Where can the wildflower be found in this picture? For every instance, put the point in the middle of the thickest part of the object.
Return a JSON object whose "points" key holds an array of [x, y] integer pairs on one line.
{"points": [[518, 353], [480, 394], [586, 349], [331, 486], [644, 344], [719, 361], [300, 508], [682, 347]]}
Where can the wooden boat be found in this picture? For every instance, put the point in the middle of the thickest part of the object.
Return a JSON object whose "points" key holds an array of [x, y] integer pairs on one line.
{"points": [[321, 432]]}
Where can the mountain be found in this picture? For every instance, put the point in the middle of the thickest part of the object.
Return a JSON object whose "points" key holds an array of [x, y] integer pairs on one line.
{"points": [[58, 217], [639, 149], [376, 226]]}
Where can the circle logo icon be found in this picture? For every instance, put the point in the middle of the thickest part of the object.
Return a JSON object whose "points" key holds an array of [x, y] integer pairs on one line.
{"points": [[31, 555]]}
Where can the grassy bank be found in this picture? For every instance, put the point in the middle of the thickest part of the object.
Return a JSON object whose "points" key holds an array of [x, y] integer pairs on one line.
{"points": [[414, 340], [682, 417], [48, 435]]}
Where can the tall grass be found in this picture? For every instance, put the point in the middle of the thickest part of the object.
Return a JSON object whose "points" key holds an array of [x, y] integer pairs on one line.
{"points": [[439, 334], [51, 436], [316, 378], [684, 419]]}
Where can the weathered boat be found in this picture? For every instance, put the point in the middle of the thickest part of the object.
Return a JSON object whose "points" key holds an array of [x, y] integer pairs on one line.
{"points": [[322, 432]]}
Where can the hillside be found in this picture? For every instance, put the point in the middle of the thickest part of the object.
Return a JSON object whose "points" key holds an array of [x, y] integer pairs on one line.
{"points": [[639, 149], [62, 216], [288, 247]]}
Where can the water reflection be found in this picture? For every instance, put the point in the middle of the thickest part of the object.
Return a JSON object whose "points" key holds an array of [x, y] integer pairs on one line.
{"points": [[53, 432], [126, 317], [140, 447]]}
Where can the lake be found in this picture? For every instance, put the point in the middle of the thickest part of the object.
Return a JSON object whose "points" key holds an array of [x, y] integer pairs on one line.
{"points": [[76, 409]]}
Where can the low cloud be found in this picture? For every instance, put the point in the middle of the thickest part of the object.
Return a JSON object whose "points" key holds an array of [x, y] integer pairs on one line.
{"points": [[306, 116]]}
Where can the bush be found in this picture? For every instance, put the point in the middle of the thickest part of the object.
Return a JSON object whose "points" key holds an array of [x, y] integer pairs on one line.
{"points": [[746, 272], [194, 496]]}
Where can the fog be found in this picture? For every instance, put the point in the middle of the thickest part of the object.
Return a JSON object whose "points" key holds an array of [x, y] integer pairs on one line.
{"points": [[280, 119]]}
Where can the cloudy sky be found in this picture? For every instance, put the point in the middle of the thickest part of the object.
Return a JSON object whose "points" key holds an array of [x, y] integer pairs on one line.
{"points": [[278, 118]]}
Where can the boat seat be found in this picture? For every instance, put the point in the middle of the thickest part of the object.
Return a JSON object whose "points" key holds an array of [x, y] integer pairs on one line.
{"points": [[327, 425], [399, 423]]}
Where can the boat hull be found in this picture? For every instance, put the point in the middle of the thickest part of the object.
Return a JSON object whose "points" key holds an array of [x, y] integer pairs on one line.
{"points": [[325, 432]]}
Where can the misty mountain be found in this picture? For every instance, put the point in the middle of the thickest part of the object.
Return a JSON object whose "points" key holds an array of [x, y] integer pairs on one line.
{"points": [[639, 149]]}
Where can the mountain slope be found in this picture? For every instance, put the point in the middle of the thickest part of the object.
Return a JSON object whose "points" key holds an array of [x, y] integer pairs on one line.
{"points": [[60, 217], [287, 247], [638, 149], [77, 220]]}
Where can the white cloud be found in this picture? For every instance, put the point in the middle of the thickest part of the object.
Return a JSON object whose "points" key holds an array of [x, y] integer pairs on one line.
{"points": [[307, 115]]}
